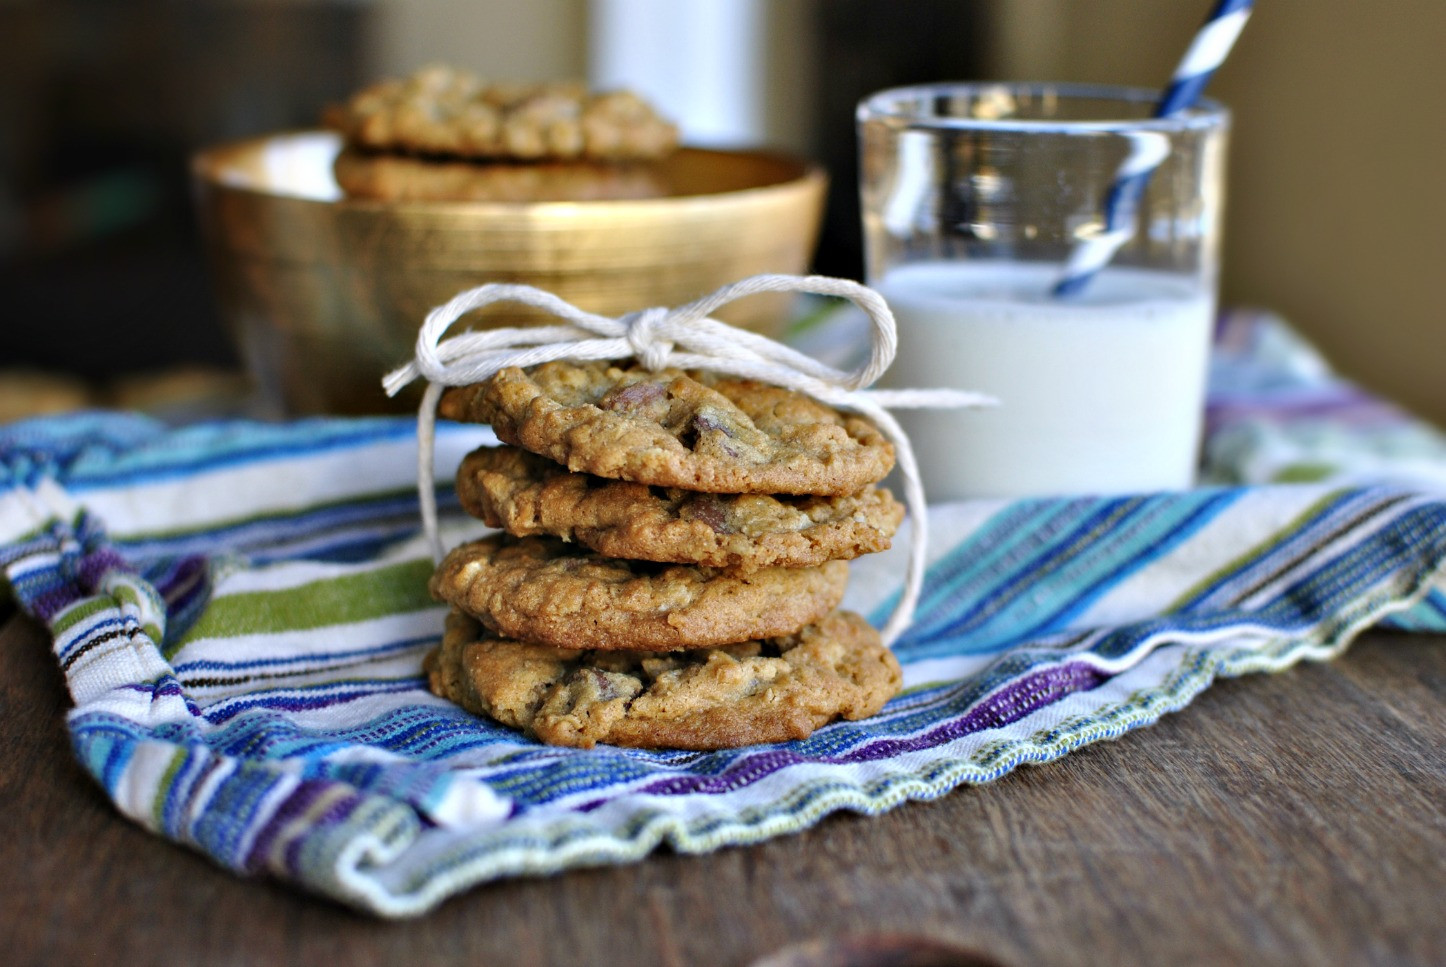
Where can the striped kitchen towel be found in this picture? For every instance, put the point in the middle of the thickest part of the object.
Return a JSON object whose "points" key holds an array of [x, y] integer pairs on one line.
{"points": [[240, 611]]}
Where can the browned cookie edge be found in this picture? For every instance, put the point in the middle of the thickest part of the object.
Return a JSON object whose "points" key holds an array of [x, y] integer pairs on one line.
{"points": [[836, 668], [543, 590], [825, 453], [526, 494]]}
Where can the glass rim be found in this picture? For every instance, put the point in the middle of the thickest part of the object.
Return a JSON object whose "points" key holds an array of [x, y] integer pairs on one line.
{"points": [[886, 104]]}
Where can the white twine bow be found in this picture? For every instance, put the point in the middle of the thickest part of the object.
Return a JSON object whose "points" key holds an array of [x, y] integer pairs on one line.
{"points": [[685, 338]]}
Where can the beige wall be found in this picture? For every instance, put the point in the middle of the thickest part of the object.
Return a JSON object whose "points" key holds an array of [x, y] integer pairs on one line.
{"points": [[1337, 202], [514, 40]]}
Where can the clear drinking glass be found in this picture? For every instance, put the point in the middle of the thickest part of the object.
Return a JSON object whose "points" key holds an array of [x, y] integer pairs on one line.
{"points": [[974, 197]]}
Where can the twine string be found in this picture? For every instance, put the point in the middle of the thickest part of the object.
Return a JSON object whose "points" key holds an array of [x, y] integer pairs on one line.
{"points": [[685, 337]]}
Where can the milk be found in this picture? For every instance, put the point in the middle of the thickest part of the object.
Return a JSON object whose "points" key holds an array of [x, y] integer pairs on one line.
{"points": [[1100, 394]]}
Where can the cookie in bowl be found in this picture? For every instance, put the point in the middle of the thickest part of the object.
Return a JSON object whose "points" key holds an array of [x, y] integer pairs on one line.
{"points": [[328, 247], [445, 134]]}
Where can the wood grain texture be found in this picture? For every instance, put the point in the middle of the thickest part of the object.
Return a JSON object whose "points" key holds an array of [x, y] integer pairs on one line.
{"points": [[1286, 819]]}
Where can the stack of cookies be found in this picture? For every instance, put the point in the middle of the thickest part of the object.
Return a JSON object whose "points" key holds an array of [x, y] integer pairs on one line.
{"points": [[445, 134], [672, 553]]}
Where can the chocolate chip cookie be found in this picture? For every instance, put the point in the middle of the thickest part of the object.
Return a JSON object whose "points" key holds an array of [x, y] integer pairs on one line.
{"points": [[442, 110], [525, 495], [542, 590], [390, 177], [770, 690], [691, 430]]}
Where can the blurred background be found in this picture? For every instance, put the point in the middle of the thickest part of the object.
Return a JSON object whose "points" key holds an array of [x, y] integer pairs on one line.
{"points": [[1336, 199]]}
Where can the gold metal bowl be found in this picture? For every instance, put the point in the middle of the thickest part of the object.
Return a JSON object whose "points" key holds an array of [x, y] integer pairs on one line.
{"points": [[325, 293]]}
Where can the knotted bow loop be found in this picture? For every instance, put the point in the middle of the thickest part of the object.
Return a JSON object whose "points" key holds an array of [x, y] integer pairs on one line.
{"points": [[685, 337], [644, 334]]}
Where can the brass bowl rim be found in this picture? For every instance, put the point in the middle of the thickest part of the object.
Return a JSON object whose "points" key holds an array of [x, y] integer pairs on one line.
{"points": [[205, 167]]}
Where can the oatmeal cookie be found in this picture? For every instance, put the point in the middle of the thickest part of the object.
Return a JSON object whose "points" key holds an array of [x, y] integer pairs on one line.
{"points": [[390, 177], [771, 690], [525, 494], [542, 590], [692, 430], [446, 111]]}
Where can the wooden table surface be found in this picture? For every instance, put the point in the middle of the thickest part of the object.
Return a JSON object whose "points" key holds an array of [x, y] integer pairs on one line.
{"points": [[1297, 818]]}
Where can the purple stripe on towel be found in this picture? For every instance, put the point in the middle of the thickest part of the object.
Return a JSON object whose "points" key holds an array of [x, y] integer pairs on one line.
{"points": [[295, 805], [75, 579], [1009, 704], [178, 585], [1348, 406], [47, 605], [96, 565], [336, 813]]}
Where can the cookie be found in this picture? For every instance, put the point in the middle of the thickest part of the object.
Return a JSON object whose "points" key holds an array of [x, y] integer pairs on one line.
{"points": [[543, 590], [771, 690], [390, 177], [525, 495], [691, 430], [446, 111]]}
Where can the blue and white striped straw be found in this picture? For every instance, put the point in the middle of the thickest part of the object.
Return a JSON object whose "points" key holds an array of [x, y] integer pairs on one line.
{"points": [[1207, 52]]}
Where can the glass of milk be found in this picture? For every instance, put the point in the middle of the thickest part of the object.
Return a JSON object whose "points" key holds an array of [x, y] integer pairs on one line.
{"points": [[974, 197]]}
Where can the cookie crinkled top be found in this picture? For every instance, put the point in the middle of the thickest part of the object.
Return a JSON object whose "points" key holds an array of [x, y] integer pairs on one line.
{"points": [[691, 429], [446, 111], [542, 590], [525, 494], [769, 690]]}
